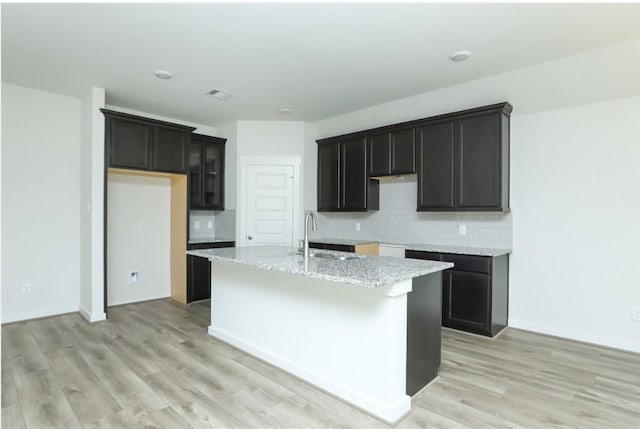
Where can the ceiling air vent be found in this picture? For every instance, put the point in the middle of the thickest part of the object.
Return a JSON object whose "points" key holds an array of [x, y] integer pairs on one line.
{"points": [[220, 94]]}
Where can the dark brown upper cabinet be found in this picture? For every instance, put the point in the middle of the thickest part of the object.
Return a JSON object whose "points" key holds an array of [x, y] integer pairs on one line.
{"points": [[343, 179], [392, 153], [206, 172], [329, 176], [135, 142], [463, 162], [436, 169]]}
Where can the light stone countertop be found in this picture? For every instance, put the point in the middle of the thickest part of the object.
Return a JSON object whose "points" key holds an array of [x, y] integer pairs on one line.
{"points": [[460, 250], [364, 271]]}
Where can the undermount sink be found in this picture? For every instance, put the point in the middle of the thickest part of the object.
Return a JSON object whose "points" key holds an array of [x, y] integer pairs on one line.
{"points": [[326, 255]]}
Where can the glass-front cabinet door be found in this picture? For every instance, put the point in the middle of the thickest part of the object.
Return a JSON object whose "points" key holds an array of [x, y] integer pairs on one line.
{"points": [[195, 174], [206, 173], [213, 169]]}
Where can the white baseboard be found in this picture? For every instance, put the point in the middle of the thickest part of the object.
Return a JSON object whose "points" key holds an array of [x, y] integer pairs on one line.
{"points": [[138, 299], [38, 313], [570, 334], [390, 413], [92, 317]]}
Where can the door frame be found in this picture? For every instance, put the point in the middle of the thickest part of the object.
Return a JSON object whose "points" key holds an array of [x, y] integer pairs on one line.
{"points": [[274, 161]]}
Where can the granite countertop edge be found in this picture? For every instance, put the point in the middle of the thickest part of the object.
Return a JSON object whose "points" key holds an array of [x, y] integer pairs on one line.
{"points": [[356, 272]]}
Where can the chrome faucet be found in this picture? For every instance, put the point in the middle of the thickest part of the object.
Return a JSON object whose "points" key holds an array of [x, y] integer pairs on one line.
{"points": [[314, 226]]}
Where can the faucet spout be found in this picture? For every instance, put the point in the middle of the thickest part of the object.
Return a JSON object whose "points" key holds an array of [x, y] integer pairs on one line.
{"points": [[314, 226]]}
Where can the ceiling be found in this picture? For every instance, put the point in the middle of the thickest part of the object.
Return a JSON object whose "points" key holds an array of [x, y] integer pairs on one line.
{"points": [[319, 60]]}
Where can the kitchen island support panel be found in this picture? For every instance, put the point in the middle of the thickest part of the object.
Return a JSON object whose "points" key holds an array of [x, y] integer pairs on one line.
{"points": [[347, 340], [424, 334]]}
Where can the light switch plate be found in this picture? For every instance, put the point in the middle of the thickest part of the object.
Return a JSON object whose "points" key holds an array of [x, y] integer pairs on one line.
{"points": [[209, 224], [462, 229], [357, 226], [196, 224]]}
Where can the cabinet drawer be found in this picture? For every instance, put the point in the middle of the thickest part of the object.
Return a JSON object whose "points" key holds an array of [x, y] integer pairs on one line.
{"points": [[418, 254], [469, 263]]}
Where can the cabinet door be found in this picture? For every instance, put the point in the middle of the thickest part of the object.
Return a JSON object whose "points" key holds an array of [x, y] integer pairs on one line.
{"points": [[435, 157], [355, 180], [195, 174], [466, 301], [403, 152], [213, 176], [199, 278], [379, 154], [129, 144], [329, 176], [479, 162], [170, 149]]}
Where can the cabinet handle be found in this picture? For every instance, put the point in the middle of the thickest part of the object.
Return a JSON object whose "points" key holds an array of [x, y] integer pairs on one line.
{"points": [[249, 237]]}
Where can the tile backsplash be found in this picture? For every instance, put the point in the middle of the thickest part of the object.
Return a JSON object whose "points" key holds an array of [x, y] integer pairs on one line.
{"points": [[398, 221], [222, 224]]}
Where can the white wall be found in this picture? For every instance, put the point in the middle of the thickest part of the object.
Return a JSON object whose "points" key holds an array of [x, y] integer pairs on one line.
{"points": [[92, 206], [258, 138], [40, 203], [578, 208], [576, 216], [138, 237]]}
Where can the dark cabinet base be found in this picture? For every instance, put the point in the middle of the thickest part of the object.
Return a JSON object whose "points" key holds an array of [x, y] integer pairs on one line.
{"points": [[424, 334], [199, 272], [475, 292]]}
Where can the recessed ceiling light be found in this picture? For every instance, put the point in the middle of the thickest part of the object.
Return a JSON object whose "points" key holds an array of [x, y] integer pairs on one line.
{"points": [[162, 74], [220, 94], [285, 110], [459, 56]]}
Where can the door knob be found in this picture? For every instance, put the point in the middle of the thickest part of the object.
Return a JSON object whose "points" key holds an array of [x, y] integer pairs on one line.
{"points": [[249, 237]]}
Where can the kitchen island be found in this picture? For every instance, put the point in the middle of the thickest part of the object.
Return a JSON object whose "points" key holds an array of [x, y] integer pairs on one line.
{"points": [[364, 328]]}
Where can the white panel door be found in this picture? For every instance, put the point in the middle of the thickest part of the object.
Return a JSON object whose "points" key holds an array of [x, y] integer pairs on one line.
{"points": [[269, 203]]}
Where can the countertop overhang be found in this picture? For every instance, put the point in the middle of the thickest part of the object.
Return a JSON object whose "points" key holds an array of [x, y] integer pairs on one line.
{"points": [[364, 271]]}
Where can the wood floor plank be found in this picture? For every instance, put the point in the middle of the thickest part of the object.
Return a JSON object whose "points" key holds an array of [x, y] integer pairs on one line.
{"points": [[130, 391], [153, 365], [89, 398], [194, 407], [166, 418], [12, 417], [49, 336], [22, 350], [44, 404], [119, 420]]}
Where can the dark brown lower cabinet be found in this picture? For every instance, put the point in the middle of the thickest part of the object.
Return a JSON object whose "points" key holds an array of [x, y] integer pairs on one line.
{"points": [[475, 292], [199, 271], [467, 301]]}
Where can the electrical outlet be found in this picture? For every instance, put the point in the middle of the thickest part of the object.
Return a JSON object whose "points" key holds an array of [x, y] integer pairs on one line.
{"points": [[357, 226], [196, 224], [635, 315], [209, 224], [26, 288], [134, 276], [462, 229]]}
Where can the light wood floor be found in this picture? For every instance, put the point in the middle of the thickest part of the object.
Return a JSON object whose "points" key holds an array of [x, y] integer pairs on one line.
{"points": [[152, 365]]}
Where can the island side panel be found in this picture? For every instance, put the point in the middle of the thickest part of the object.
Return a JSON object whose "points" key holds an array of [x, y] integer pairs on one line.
{"points": [[345, 339], [424, 333]]}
